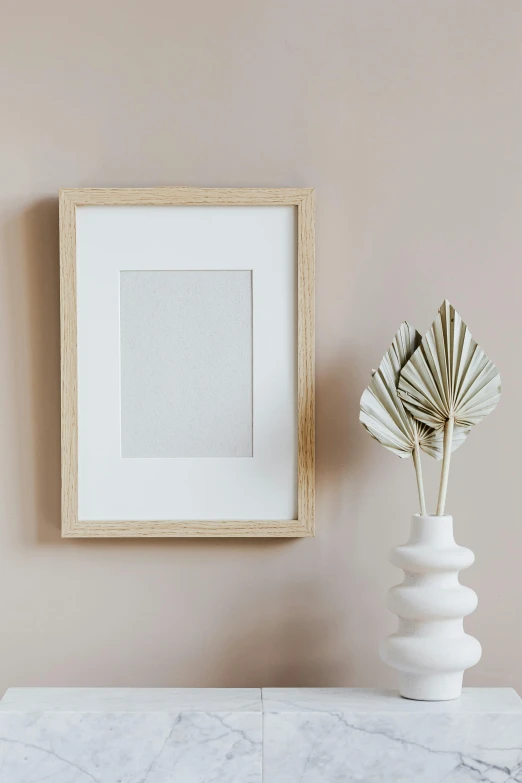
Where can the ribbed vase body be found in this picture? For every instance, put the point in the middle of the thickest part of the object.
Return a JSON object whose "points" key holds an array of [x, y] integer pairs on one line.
{"points": [[430, 649]]}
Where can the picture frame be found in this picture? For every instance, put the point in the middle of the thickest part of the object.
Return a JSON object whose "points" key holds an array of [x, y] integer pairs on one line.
{"points": [[100, 230]]}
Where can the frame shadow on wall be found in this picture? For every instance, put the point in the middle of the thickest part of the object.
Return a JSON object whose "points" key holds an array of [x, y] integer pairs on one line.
{"points": [[35, 283], [41, 278]]}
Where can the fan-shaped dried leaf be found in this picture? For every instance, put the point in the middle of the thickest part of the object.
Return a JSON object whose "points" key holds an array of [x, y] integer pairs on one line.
{"points": [[449, 376], [435, 445], [382, 411]]}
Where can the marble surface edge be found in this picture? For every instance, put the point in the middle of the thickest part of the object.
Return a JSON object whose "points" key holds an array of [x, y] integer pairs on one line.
{"points": [[256, 700], [375, 700], [169, 700]]}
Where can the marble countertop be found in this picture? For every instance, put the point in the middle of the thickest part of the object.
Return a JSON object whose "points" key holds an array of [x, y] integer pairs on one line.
{"points": [[252, 735], [132, 699], [341, 700], [372, 700]]}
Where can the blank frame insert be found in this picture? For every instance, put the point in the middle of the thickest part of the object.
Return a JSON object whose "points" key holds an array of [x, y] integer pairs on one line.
{"points": [[186, 363]]}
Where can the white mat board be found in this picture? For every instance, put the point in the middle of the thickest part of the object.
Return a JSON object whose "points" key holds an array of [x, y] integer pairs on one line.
{"points": [[259, 241]]}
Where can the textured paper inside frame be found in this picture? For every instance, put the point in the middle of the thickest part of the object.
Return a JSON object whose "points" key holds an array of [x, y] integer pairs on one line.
{"points": [[186, 363]]}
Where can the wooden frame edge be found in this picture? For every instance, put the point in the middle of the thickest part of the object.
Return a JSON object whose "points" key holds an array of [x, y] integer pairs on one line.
{"points": [[188, 529], [68, 364], [170, 196], [306, 362], [304, 200]]}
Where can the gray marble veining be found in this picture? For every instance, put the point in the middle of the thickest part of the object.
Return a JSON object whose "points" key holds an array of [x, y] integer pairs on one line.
{"points": [[345, 735], [340, 735], [130, 736]]}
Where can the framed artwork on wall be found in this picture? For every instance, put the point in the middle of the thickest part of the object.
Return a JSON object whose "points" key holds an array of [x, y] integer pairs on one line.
{"points": [[187, 360]]}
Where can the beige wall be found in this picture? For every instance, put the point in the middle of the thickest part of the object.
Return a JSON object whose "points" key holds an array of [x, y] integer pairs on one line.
{"points": [[406, 117]]}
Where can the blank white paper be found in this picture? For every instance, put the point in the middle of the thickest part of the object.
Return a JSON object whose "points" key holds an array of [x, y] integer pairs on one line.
{"points": [[186, 363]]}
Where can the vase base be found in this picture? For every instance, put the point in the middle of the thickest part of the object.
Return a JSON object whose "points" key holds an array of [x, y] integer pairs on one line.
{"points": [[431, 687]]}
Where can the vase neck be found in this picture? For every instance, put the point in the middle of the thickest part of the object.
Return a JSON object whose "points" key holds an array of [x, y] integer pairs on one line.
{"points": [[431, 530]]}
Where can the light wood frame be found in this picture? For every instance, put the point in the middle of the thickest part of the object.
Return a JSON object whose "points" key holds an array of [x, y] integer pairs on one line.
{"points": [[303, 200]]}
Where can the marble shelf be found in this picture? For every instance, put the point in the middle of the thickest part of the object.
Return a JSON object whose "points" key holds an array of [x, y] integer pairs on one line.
{"points": [[277, 735], [349, 734], [130, 735]]}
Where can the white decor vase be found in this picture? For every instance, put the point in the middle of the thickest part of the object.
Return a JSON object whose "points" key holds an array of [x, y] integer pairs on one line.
{"points": [[430, 649]]}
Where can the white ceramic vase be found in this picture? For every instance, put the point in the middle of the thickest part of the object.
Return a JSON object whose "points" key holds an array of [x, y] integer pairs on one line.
{"points": [[430, 649]]}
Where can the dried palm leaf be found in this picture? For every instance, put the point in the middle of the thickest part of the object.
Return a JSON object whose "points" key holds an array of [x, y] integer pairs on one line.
{"points": [[434, 446], [449, 382], [385, 417]]}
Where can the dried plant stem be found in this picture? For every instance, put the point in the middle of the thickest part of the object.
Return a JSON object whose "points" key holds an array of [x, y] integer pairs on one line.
{"points": [[418, 473], [446, 458]]}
